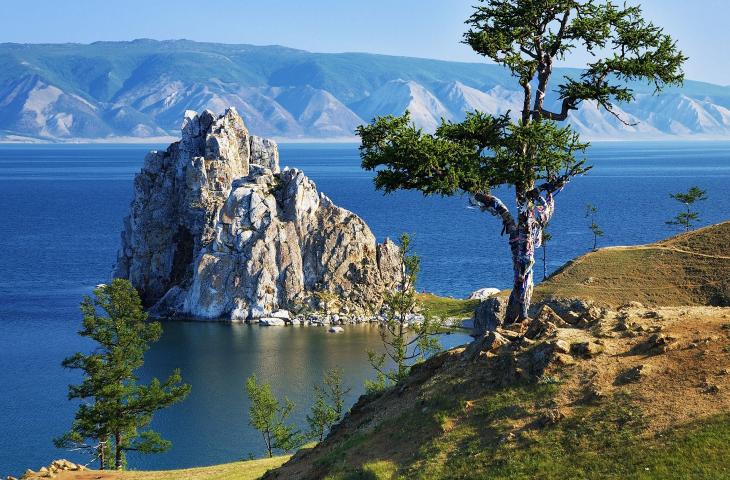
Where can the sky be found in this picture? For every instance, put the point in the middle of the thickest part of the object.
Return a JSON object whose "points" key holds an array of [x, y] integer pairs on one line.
{"points": [[420, 28]]}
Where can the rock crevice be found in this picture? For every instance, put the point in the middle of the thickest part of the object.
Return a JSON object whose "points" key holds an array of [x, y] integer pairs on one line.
{"points": [[217, 230]]}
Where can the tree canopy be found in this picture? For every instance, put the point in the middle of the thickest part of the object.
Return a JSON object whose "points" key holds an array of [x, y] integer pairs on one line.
{"points": [[530, 150]]}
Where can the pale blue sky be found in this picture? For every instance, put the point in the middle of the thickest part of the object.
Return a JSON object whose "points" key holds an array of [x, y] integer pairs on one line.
{"points": [[422, 28]]}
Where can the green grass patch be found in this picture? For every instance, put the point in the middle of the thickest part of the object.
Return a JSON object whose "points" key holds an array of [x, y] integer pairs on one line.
{"points": [[598, 442], [447, 307]]}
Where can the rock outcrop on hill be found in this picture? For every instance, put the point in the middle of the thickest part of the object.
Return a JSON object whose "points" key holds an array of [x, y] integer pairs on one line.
{"points": [[216, 230]]}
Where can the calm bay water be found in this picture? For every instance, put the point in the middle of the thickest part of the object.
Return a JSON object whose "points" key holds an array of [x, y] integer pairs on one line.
{"points": [[61, 209]]}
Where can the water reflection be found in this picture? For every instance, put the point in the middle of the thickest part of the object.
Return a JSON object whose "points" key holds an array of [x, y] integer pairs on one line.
{"points": [[215, 358]]}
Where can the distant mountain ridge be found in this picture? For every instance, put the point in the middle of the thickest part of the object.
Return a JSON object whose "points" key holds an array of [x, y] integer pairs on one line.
{"points": [[140, 89]]}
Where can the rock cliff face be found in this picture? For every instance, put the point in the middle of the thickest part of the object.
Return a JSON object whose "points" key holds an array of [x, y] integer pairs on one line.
{"points": [[216, 230]]}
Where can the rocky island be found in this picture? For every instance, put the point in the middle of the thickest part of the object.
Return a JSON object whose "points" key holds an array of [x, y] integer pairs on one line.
{"points": [[217, 230]]}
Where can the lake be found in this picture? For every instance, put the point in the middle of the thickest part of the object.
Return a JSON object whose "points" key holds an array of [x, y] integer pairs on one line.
{"points": [[61, 212]]}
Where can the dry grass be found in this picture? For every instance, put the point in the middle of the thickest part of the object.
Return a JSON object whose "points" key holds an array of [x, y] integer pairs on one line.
{"points": [[457, 419], [690, 269], [248, 470]]}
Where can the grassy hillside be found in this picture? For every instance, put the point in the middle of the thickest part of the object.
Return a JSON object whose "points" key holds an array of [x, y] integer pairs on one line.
{"points": [[623, 392], [689, 269], [643, 394]]}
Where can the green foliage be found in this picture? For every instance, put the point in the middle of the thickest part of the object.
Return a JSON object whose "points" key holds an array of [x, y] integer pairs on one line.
{"points": [[527, 36], [474, 156], [405, 339], [531, 153], [329, 404], [591, 213], [115, 407], [268, 416], [688, 218]]}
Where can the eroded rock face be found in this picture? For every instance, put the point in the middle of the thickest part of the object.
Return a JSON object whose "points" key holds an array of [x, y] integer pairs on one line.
{"points": [[216, 230]]}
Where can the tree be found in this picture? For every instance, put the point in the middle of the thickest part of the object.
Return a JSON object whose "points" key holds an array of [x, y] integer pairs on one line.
{"points": [[115, 407], [267, 415], [688, 218], [406, 339], [546, 238], [328, 406], [591, 212], [531, 153]]}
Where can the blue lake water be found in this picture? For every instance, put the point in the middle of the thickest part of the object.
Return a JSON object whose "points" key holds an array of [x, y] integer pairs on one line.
{"points": [[61, 210]]}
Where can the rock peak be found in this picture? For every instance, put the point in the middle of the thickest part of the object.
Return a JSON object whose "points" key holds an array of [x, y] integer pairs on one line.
{"points": [[217, 230]]}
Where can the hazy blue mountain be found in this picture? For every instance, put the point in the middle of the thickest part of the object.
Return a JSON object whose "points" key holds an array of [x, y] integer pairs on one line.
{"points": [[141, 88]]}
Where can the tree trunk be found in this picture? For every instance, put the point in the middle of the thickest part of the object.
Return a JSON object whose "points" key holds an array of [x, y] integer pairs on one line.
{"points": [[523, 262], [525, 235], [102, 452], [118, 450], [523, 242], [267, 440]]}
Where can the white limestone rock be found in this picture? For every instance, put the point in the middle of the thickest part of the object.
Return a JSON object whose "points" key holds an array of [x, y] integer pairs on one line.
{"points": [[216, 230], [484, 293], [271, 322]]}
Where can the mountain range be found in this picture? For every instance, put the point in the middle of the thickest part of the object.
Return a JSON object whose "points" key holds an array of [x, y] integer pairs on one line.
{"points": [[139, 90]]}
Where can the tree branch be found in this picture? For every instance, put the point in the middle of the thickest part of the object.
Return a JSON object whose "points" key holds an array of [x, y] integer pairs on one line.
{"points": [[568, 105], [489, 203], [561, 33], [553, 186], [527, 52]]}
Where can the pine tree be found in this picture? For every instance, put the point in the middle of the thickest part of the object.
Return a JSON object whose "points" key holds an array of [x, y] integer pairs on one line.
{"points": [[688, 218], [267, 415], [329, 404], [592, 212], [115, 407], [404, 338]]}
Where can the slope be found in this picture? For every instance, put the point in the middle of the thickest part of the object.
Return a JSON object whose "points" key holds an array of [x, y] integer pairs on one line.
{"points": [[689, 269]]}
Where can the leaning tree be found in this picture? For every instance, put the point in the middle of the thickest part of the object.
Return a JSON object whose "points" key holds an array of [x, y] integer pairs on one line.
{"points": [[531, 153]]}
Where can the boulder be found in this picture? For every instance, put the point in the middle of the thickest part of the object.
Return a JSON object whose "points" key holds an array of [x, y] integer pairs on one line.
{"points": [[490, 343], [490, 314], [547, 314], [336, 329], [586, 349], [656, 344], [217, 230], [539, 327], [483, 293], [561, 346], [271, 322], [283, 314]]}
